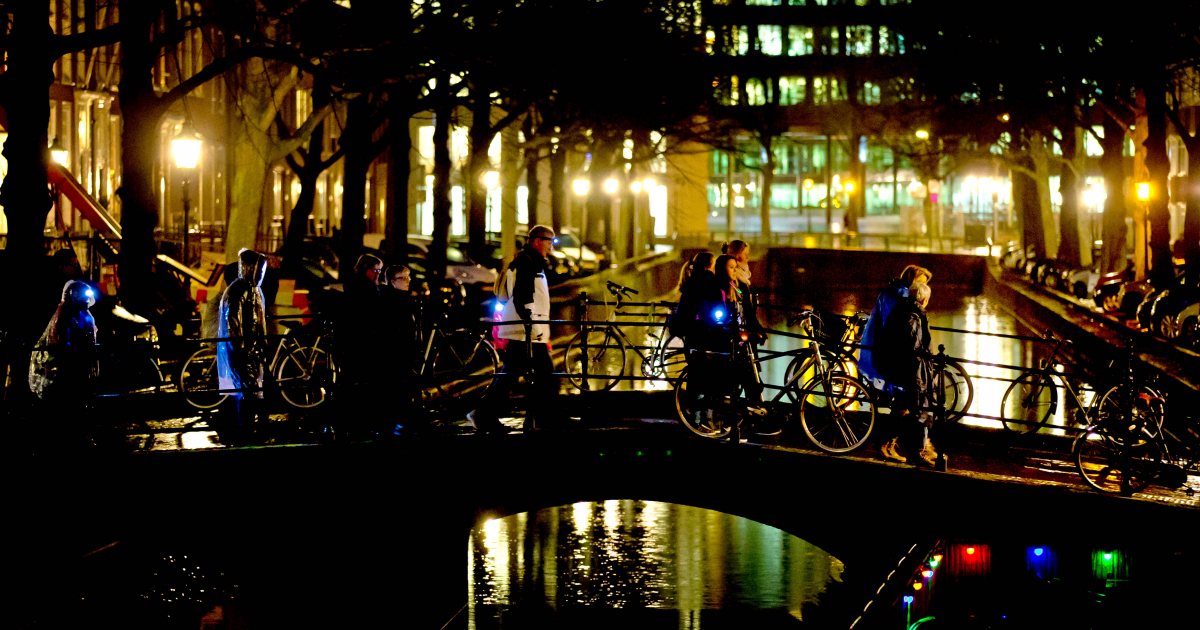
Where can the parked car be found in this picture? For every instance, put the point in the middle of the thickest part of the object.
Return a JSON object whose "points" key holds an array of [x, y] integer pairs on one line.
{"points": [[584, 256], [459, 266]]}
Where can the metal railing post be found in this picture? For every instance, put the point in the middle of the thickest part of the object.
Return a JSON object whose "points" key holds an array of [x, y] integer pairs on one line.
{"points": [[940, 413], [582, 316]]}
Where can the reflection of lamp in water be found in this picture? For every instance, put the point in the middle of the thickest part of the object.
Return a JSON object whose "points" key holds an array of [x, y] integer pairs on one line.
{"points": [[185, 149]]}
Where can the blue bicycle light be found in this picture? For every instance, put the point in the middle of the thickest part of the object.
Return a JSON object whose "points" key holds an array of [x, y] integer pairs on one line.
{"points": [[499, 306], [718, 315], [89, 293], [555, 241]]}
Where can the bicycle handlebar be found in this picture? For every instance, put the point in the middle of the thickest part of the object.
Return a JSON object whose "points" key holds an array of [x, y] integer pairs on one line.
{"points": [[617, 289]]}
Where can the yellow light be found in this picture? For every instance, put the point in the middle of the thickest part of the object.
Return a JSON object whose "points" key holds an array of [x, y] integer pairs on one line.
{"points": [[917, 586], [582, 186], [185, 147], [611, 185], [59, 154], [922, 134], [849, 186], [1143, 191], [808, 183], [491, 179]]}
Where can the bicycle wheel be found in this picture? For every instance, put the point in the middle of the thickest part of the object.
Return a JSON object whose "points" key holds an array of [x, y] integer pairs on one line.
{"points": [[1116, 463], [802, 369], [198, 380], [1028, 403], [837, 415], [706, 417], [956, 391], [667, 361], [1148, 409], [306, 377], [605, 362], [462, 366]]}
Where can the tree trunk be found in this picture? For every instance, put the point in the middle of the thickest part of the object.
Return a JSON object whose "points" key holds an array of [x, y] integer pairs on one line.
{"points": [[356, 139], [24, 194], [1189, 242], [558, 191], [477, 166], [764, 197], [1069, 251], [441, 192], [1113, 251], [1028, 205], [297, 226], [1161, 272], [399, 174]]}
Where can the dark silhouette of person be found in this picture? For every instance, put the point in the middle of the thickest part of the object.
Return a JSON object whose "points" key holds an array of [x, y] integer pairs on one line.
{"points": [[242, 351], [64, 363], [356, 325], [399, 314]]}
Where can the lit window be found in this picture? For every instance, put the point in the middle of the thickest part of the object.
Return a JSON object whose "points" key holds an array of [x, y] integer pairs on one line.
{"points": [[792, 90], [770, 40], [800, 41]]}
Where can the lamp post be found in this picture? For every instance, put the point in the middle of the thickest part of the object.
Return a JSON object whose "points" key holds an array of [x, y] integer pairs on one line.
{"points": [[582, 187], [1143, 196], [185, 149]]}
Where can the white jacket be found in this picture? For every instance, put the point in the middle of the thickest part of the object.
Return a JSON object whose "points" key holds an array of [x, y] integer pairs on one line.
{"points": [[539, 309]]}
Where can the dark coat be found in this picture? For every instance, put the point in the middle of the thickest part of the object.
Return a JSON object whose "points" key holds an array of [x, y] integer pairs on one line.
{"points": [[242, 320]]}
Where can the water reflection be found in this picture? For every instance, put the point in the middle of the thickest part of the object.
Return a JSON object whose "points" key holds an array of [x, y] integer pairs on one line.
{"points": [[630, 554]]}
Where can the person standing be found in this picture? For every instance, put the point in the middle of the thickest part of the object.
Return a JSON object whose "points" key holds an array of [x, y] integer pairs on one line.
{"points": [[527, 346], [64, 363], [356, 330], [907, 364], [740, 251], [242, 351], [398, 344]]}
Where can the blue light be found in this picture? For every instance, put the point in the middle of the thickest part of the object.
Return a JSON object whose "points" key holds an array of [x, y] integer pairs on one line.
{"points": [[718, 315], [89, 293], [555, 241], [1038, 551], [499, 306], [908, 599]]}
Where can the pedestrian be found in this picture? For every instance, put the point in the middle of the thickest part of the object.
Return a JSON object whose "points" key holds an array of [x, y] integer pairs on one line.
{"points": [[740, 251], [242, 349], [698, 320], [906, 363], [64, 364], [527, 349], [744, 366], [399, 314], [356, 333], [897, 289]]}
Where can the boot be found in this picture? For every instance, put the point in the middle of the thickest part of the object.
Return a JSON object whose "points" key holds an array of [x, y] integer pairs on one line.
{"points": [[889, 452]]}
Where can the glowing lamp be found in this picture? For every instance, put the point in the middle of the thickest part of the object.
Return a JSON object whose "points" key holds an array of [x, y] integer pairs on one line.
{"points": [[927, 573], [1143, 191], [917, 586], [1038, 551], [970, 551], [59, 154]]}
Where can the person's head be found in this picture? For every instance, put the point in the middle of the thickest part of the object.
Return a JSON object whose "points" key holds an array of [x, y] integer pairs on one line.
{"points": [[540, 239], [921, 293], [699, 261], [726, 268], [737, 248], [79, 294], [913, 274], [369, 267], [252, 266], [399, 277]]}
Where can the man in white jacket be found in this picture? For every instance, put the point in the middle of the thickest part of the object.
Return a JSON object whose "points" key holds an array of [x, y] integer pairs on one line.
{"points": [[528, 338]]}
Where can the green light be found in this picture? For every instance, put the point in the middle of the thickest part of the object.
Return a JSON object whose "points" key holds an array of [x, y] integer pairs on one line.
{"points": [[933, 564], [1108, 556], [639, 453]]}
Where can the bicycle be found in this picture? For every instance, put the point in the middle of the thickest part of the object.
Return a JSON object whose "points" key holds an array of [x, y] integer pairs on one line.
{"points": [[1126, 451], [304, 373], [458, 364], [1032, 398], [835, 409], [953, 389], [608, 345]]}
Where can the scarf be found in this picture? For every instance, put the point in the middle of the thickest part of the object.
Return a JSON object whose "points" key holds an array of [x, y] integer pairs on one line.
{"points": [[743, 273]]}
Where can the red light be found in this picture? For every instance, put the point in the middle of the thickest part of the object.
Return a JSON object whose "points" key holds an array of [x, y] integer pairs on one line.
{"points": [[970, 551]]}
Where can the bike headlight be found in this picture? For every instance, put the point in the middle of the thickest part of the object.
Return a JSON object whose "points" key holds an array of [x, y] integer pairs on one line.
{"points": [[718, 315]]}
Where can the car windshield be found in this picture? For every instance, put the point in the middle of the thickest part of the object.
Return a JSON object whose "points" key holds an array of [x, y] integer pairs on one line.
{"points": [[567, 240]]}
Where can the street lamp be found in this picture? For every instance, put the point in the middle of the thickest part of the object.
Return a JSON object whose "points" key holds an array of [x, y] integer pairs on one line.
{"points": [[1143, 195], [185, 149], [59, 154]]}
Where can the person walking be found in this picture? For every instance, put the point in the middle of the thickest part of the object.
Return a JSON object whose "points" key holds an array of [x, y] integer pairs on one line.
{"points": [[896, 290], [906, 363], [527, 349], [242, 349]]}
